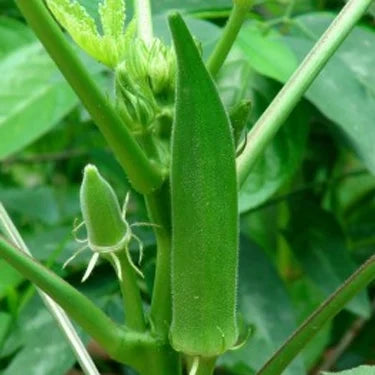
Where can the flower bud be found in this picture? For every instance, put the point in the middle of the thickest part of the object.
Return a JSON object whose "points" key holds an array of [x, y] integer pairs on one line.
{"points": [[101, 211], [135, 100]]}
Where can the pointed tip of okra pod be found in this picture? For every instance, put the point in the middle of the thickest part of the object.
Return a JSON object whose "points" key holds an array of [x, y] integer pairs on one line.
{"points": [[175, 20]]}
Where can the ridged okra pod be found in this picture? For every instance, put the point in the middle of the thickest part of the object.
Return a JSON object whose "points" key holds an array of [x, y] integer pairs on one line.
{"points": [[204, 209]]}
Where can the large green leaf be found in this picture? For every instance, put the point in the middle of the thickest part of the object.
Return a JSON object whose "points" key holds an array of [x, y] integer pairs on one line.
{"points": [[265, 305], [262, 47], [318, 242], [349, 71], [9, 278], [283, 155], [34, 98], [37, 203], [362, 370], [13, 34], [42, 349]]}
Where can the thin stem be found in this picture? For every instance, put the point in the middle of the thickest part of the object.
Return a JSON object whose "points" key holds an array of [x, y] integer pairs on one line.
{"points": [[144, 175], [202, 366], [66, 326], [347, 339], [328, 310], [144, 20], [231, 30], [161, 310], [132, 297], [281, 107]]}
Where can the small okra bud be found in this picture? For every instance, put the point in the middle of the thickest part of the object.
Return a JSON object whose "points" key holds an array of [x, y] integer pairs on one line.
{"points": [[135, 100], [108, 232], [101, 211], [239, 116]]}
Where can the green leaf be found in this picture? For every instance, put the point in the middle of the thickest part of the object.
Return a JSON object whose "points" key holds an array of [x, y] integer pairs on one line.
{"points": [[33, 98], [37, 203], [265, 305], [112, 15], [282, 157], [80, 25], [263, 46], [13, 34], [349, 71], [43, 349], [9, 279], [318, 242], [361, 370]]}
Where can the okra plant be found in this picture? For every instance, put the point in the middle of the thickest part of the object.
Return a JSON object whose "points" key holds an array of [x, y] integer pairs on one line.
{"points": [[187, 153]]}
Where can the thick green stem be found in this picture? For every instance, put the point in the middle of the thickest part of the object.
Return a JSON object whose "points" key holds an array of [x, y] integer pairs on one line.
{"points": [[76, 305], [231, 30], [144, 175], [283, 104], [132, 297], [158, 205], [201, 366], [332, 306], [144, 20]]}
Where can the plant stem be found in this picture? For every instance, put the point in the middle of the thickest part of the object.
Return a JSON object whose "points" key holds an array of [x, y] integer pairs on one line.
{"points": [[278, 111], [132, 297], [66, 326], [231, 30], [144, 175], [76, 305], [158, 205], [201, 366], [144, 20], [332, 306]]}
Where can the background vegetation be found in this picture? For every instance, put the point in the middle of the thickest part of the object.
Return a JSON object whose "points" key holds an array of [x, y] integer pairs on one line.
{"points": [[307, 209]]}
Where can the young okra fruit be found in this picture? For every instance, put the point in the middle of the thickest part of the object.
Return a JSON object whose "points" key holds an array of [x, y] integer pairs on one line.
{"points": [[204, 210], [108, 232]]}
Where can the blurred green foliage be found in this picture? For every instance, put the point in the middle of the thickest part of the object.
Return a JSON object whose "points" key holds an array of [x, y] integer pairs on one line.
{"points": [[308, 207]]}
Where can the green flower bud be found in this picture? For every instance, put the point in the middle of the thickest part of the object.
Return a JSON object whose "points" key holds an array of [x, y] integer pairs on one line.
{"points": [[161, 68], [101, 211], [108, 232], [153, 66], [135, 101]]}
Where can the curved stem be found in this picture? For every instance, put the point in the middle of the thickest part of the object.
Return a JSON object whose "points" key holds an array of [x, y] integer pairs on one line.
{"points": [[76, 305], [231, 30], [278, 111], [144, 176], [144, 20], [66, 326], [332, 306]]}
